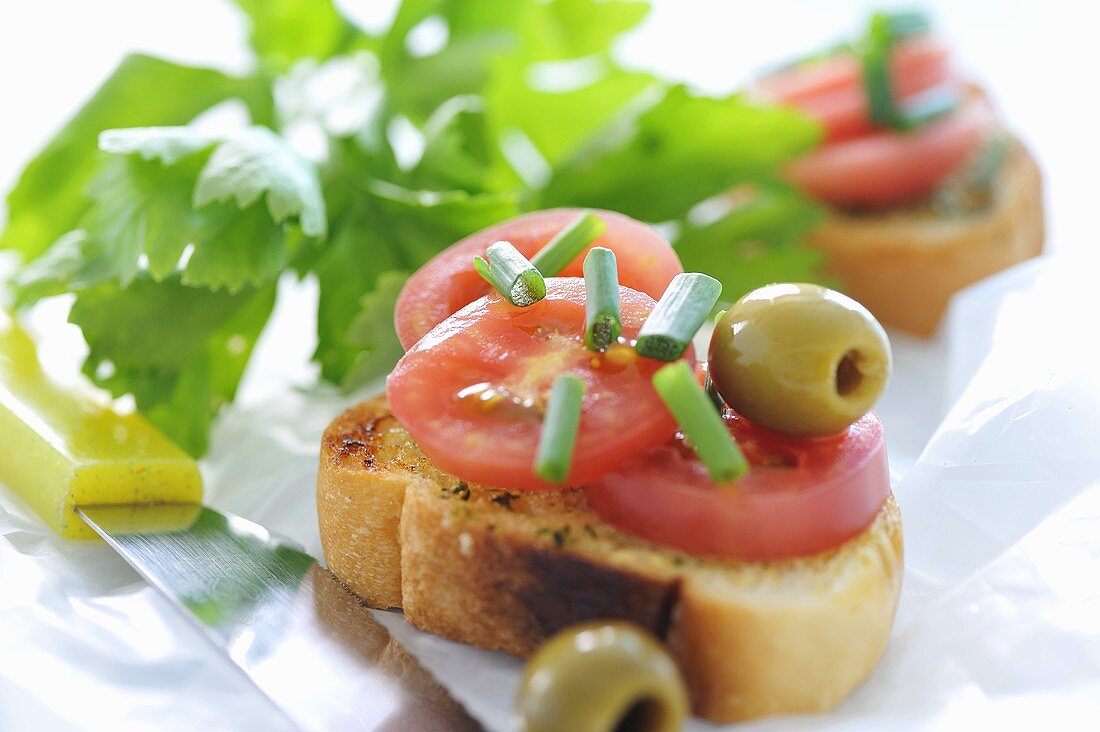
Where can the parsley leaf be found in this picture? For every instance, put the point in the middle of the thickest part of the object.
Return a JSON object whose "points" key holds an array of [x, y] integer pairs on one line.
{"points": [[483, 34], [172, 242], [558, 120], [179, 350], [372, 334], [389, 228], [169, 145], [49, 199], [258, 161], [681, 150], [74, 263], [756, 241], [284, 31], [141, 207], [461, 151]]}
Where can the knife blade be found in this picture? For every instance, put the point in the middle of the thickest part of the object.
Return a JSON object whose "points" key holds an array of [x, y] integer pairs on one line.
{"points": [[294, 630]]}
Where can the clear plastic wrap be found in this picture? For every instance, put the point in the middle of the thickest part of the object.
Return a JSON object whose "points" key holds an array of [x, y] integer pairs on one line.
{"points": [[1000, 614]]}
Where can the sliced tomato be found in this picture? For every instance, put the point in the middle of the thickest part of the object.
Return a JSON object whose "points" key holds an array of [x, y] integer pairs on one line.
{"points": [[831, 89], [448, 282], [888, 168], [472, 391], [800, 497]]}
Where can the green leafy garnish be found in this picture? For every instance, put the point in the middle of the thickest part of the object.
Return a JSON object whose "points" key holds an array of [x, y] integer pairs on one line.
{"points": [[756, 238], [49, 198], [366, 154], [179, 350]]}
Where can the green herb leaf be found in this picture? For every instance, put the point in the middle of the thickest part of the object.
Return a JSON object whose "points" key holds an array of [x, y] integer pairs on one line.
{"points": [[681, 150], [558, 120], [74, 263], [372, 332], [179, 350], [756, 242], [284, 31], [423, 223], [49, 199], [461, 151], [483, 36], [257, 161], [389, 228], [350, 268]]}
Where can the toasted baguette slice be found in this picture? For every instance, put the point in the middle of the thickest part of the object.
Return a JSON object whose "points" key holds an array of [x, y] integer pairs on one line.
{"points": [[506, 570], [905, 264]]}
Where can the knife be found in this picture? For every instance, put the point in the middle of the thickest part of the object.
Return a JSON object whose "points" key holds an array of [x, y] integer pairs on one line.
{"points": [[288, 624]]}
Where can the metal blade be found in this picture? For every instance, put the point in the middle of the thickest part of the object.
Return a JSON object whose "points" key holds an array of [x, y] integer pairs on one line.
{"points": [[294, 629]]}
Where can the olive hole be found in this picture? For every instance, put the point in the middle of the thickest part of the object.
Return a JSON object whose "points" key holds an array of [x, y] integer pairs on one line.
{"points": [[848, 375], [645, 715]]}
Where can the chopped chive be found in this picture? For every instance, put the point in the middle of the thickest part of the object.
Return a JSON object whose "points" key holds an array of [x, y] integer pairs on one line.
{"points": [[701, 424], [876, 48], [570, 241], [511, 274], [908, 23], [927, 106], [687, 302], [972, 189], [875, 59], [603, 320], [559, 429]]}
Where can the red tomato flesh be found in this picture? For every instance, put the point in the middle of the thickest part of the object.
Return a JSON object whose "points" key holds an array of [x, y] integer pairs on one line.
{"points": [[448, 282], [801, 496], [471, 392], [862, 165], [888, 168]]}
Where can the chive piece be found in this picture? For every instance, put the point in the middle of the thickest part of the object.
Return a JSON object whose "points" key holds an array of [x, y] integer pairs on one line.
{"points": [[927, 106], [603, 318], [559, 429], [972, 189], [701, 424], [908, 23], [511, 274], [687, 302], [882, 108], [570, 241], [875, 59]]}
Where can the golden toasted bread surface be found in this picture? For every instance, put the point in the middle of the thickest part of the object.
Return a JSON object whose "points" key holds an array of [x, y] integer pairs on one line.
{"points": [[905, 264], [506, 570]]}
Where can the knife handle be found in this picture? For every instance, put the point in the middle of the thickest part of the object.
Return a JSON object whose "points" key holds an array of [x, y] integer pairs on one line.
{"points": [[66, 446]]}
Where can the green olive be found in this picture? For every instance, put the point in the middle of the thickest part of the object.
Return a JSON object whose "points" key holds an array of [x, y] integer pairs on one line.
{"points": [[800, 359], [599, 677]]}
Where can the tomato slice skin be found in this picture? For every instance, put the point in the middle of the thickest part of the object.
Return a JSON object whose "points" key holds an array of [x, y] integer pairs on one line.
{"points": [[448, 282], [519, 352], [888, 168], [825, 491]]}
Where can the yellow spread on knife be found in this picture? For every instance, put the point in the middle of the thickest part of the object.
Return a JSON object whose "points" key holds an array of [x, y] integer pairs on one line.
{"points": [[61, 448]]}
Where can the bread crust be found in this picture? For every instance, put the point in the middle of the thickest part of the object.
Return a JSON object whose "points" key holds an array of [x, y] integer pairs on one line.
{"points": [[506, 570], [905, 264]]}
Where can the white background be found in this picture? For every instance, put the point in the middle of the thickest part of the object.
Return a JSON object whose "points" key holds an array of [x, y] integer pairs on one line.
{"points": [[1037, 58], [1032, 56]]}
